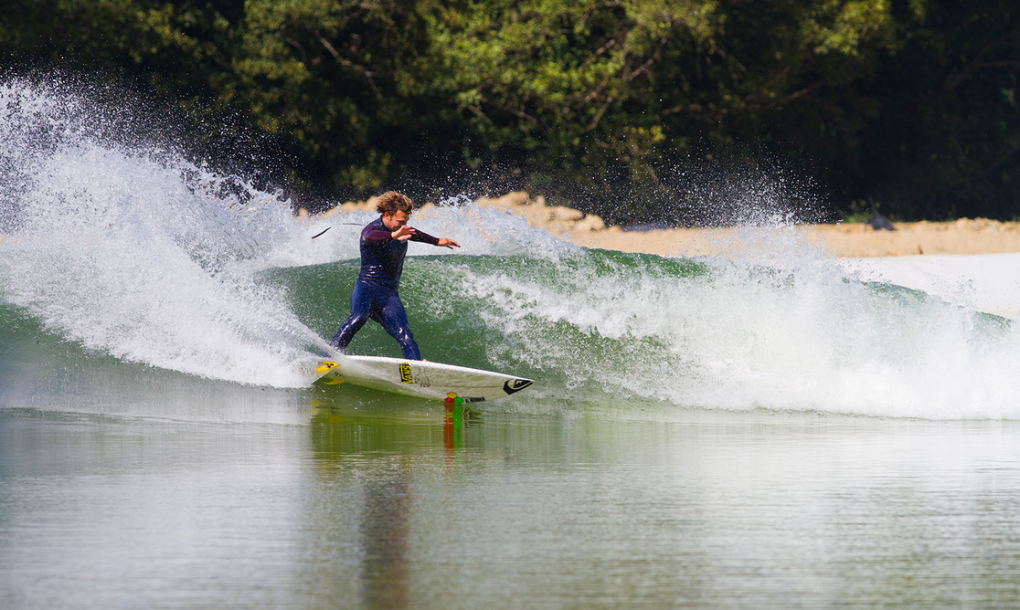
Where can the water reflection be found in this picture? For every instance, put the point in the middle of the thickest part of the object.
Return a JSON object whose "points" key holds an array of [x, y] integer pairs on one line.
{"points": [[383, 443], [372, 503], [385, 573]]}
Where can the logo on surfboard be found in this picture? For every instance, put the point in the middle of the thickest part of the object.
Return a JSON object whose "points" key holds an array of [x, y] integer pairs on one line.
{"points": [[405, 373], [516, 385], [423, 379], [325, 367]]}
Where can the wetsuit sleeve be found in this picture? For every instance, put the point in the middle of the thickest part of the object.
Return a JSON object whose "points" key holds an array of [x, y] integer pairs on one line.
{"points": [[424, 237], [372, 234]]}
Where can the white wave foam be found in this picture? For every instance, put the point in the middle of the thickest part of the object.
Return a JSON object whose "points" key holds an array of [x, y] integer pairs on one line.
{"points": [[986, 282], [804, 336], [148, 259], [141, 254]]}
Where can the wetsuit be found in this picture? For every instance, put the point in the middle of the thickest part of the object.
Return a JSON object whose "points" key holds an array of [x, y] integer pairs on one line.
{"points": [[375, 292]]}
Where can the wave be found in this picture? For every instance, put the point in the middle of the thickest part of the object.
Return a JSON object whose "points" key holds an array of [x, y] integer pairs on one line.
{"points": [[114, 255]]}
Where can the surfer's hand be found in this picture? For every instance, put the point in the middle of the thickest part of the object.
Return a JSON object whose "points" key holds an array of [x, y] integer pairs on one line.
{"points": [[404, 233], [447, 242]]}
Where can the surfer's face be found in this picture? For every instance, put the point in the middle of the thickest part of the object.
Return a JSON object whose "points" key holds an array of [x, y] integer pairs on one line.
{"points": [[395, 220]]}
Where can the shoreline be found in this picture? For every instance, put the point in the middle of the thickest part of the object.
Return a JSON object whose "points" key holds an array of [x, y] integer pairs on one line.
{"points": [[846, 240], [964, 236]]}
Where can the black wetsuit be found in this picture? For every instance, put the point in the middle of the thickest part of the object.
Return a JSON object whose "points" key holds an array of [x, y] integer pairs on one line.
{"points": [[376, 294]]}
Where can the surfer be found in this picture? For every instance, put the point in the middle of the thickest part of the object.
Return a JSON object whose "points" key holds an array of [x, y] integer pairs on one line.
{"points": [[376, 297]]}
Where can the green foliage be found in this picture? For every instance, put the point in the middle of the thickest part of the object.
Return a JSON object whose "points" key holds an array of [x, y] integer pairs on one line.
{"points": [[948, 140], [599, 103], [178, 45]]}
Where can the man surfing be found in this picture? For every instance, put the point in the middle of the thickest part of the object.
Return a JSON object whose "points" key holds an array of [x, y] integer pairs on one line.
{"points": [[376, 297]]}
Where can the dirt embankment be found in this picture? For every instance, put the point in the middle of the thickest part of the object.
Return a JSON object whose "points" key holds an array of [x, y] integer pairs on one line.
{"points": [[964, 236]]}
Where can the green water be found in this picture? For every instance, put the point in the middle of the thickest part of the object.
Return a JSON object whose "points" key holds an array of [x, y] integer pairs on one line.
{"points": [[395, 507]]}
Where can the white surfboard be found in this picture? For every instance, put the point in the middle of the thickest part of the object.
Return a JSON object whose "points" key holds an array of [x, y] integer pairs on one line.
{"points": [[420, 378]]}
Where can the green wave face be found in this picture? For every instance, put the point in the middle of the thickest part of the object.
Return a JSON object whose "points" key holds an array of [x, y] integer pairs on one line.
{"points": [[516, 313], [127, 265], [639, 331]]}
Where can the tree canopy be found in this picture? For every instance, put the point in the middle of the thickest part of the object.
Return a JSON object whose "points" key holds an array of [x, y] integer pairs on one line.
{"points": [[905, 106]]}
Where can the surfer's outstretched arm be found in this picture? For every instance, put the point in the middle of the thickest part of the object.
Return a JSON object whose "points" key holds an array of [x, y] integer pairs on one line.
{"points": [[406, 233], [424, 237]]}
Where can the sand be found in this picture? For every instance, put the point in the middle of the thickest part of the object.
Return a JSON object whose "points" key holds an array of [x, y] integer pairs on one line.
{"points": [[964, 236]]}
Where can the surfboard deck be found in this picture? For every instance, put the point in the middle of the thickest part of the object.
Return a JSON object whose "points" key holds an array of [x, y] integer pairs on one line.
{"points": [[424, 379]]}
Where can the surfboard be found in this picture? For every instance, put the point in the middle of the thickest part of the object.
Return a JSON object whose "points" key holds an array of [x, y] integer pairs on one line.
{"points": [[425, 379]]}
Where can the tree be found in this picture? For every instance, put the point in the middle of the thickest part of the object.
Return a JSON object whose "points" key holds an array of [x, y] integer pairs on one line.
{"points": [[947, 140]]}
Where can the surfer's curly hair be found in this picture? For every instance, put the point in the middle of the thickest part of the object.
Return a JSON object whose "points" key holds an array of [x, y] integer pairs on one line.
{"points": [[392, 202]]}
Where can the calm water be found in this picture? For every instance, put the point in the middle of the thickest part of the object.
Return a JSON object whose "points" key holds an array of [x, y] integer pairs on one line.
{"points": [[400, 510]]}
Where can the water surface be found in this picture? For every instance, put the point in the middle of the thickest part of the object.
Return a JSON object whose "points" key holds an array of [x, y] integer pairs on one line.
{"points": [[399, 510]]}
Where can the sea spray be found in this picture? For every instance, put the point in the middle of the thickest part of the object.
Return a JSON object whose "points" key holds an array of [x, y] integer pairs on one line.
{"points": [[716, 333], [137, 253], [140, 253]]}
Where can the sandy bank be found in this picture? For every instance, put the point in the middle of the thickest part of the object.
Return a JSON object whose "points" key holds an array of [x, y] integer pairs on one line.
{"points": [[965, 236]]}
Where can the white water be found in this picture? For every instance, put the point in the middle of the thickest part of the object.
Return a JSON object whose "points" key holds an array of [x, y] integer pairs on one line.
{"points": [[136, 252], [986, 282], [802, 338], [139, 253]]}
